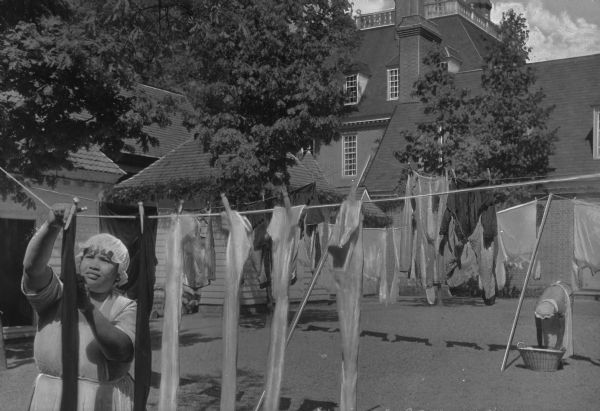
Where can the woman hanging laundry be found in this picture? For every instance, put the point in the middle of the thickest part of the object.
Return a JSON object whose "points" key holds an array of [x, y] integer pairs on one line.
{"points": [[105, 323], [553, 318]]}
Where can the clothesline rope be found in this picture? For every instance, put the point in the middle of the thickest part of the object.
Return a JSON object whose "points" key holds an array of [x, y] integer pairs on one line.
{"points": [[403, 198], [24, 187], [335, 205]]}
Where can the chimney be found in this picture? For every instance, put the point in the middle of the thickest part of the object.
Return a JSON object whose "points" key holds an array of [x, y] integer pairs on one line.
{"points": [[416, 35]]}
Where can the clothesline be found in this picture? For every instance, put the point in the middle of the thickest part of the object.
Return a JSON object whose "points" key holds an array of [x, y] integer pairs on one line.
{"points": [[335, 205], [402, 198]]}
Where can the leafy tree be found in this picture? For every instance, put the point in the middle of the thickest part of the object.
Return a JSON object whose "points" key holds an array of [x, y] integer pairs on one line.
{"points": [[500, 133], [63, 86], [262, 78]]}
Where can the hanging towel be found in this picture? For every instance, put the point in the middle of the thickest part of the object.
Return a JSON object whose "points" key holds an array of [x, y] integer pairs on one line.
{"points": [[239, 243], [518, 231], [346, 250], [169, 360], [586, 235], [285, 234]]}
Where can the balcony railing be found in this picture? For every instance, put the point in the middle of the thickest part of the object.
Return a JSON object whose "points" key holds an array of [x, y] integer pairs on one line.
{"points": [[440, 8], [378, 19], [432, 9]]}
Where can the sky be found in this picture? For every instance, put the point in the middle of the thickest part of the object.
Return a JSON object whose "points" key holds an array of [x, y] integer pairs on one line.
{"points": [[557, 28]]}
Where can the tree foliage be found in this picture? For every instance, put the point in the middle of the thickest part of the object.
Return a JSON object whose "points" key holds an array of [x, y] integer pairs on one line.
{"points": [[499, 133], [260, 78], [64, 86]]}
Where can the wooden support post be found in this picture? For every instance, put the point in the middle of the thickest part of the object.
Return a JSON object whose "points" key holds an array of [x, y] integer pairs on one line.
{"points": [[527, 275]]}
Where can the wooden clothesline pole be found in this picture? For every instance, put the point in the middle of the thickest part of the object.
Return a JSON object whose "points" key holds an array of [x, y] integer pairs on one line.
{"points": [[527, 275]]}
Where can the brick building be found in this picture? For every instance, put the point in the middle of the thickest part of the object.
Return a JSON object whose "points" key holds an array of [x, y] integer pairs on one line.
{"points": [[379, 86]]}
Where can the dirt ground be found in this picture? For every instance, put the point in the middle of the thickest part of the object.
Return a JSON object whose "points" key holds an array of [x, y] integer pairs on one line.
{"points": [[412, 357]]}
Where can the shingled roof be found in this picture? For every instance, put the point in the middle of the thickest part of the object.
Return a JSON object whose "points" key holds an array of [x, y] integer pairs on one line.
{"points": [[572, 85], [188, 161], [94, 160]]}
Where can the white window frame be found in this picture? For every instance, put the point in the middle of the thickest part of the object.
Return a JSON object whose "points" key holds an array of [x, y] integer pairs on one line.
{"points": [[349, 155], [351, 89], [596, 138], [393, 84]]}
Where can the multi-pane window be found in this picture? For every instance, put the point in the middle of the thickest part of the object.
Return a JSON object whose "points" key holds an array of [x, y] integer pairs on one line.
{"points": [[351, 88], [596, 137], [349, 156], [392, 81]]}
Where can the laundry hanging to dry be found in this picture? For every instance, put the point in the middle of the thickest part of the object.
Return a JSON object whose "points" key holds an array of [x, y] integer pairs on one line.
{"points": [[586, 239], [284, 232], [470, 210], [69, 318], [239, 242], [198, 252], [346, 250], [517, 233], [169, 360]]}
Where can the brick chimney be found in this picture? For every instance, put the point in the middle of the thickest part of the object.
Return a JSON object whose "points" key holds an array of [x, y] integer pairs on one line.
{"points": [[416, 35]]}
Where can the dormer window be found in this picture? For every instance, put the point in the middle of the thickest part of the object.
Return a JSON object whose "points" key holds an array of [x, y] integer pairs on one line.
{"points": [[596, 138], [351, 89], [356, 79], [392, 84]]}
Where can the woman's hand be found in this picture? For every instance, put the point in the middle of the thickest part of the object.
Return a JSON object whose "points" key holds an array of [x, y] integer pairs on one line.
{"points": [[58, 214]]}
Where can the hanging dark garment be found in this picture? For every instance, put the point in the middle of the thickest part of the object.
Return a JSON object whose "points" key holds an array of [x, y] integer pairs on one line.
{"points": [[466, 208], [140, 287], [307, 195], [259, 218], [69, 319]]}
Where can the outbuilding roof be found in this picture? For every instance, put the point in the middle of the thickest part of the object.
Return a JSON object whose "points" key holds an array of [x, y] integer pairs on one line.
{"points": [[94, 160]]}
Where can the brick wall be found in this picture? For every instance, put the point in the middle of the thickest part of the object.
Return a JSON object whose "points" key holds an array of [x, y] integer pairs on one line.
{"points": [[408, 66]]}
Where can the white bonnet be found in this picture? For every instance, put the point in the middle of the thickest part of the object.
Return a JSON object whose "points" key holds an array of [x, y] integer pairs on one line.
{"points": [[112, 247]]}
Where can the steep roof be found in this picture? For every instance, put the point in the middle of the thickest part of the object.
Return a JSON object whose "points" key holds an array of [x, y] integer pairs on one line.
{"points": [[94, 160], [572, 85], [187, 161], [464, 36], [379, 49]]}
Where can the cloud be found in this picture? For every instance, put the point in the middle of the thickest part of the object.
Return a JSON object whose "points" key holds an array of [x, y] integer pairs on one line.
{"points": [[370, 6], [553, 36]]}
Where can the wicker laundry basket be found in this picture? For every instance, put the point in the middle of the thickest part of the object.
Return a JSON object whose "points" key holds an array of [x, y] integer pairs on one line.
{"points": [[540, 359]]}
